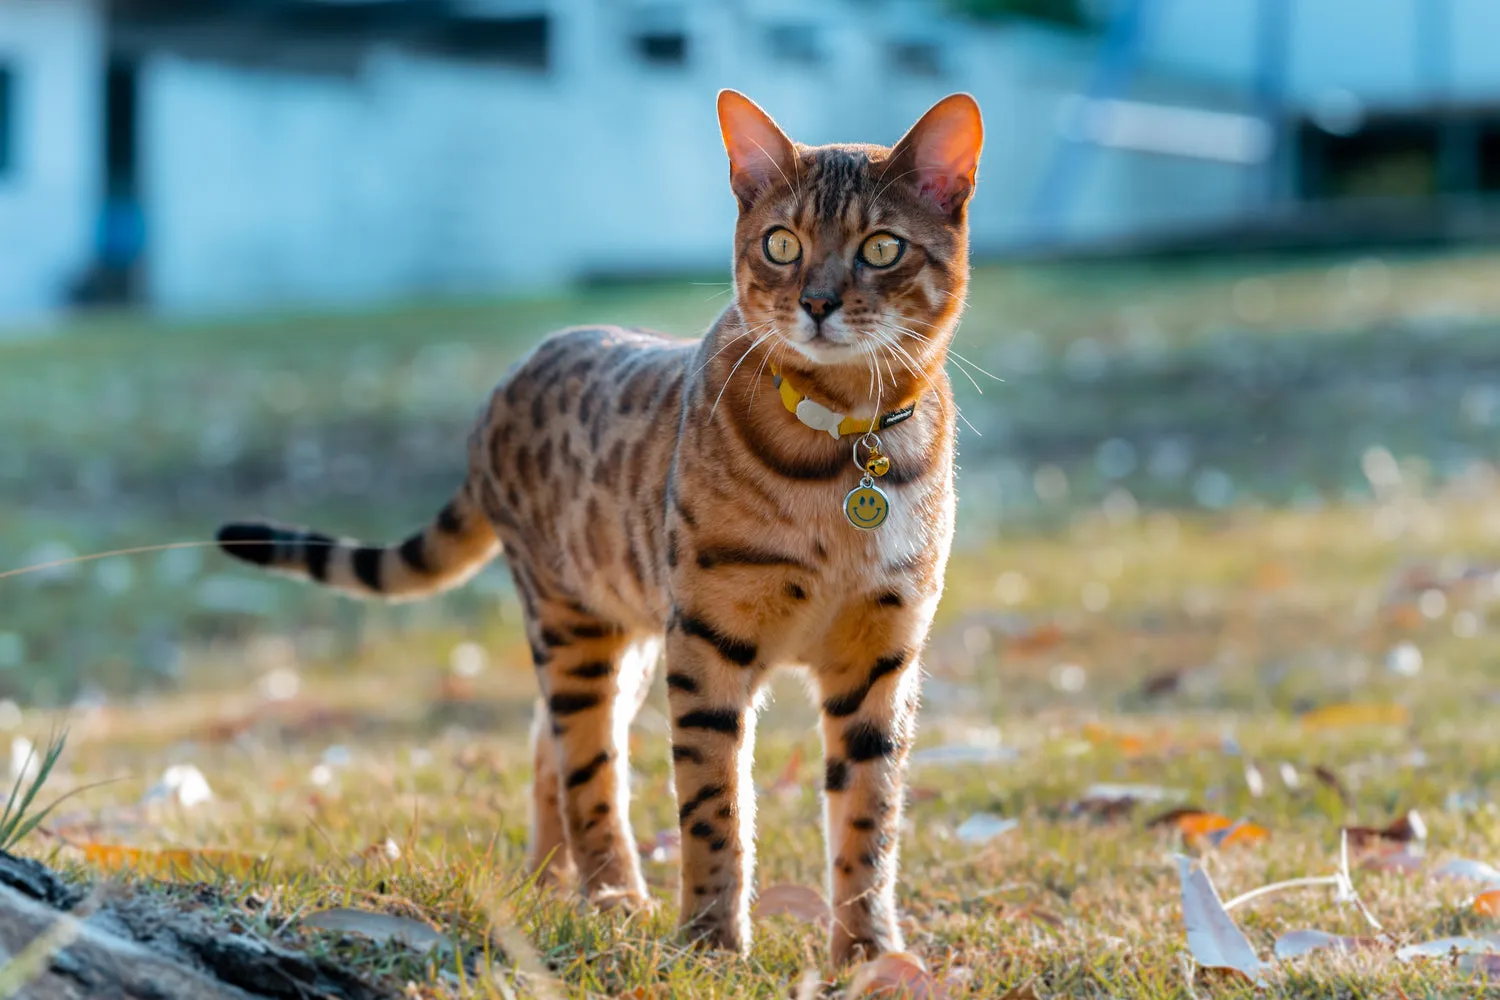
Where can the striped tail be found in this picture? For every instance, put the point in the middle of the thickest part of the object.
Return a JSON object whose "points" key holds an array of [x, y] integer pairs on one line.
{"points": [[446, 553]]}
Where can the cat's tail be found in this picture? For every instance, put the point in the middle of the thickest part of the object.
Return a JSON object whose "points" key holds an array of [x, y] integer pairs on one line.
{"points": [[446, 553]]}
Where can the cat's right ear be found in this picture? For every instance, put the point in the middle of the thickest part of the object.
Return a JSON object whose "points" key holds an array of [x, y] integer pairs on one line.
{"points": [[760, 154]]}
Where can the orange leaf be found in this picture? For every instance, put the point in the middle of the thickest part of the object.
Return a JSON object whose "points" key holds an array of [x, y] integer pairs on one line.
{"points": [[1272, 576], [1038, 640], [170, 862], [1217, 830], [1488, 903], [896, 974], [797, 901], [1351, 714]]}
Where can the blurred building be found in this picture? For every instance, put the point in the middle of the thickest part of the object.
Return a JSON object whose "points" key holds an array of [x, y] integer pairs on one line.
{"points": [[228, 155]]}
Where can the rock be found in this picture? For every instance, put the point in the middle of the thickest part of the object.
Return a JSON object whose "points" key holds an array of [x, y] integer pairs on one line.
{"points": [[138, 945]]}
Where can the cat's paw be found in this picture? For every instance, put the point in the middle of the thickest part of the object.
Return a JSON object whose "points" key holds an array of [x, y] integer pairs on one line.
{"points": [[614, 899]]}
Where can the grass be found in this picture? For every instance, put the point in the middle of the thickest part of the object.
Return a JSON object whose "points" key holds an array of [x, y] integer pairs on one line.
{"points": [[1178, 539]]}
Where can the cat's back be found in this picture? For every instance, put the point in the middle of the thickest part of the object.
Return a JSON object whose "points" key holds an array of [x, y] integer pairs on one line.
{"points": [[577, 445]]}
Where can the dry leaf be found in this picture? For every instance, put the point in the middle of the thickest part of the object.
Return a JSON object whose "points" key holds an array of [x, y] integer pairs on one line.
{"points": [[896, 975], [1443, 947], [1487, 965], [378, 927], [1464, 868], [981, 828], [1213, 939], [1038, 640], [1487, 903], [1404, 830], [1295, 944], [797, 901], [1022, 991], [788, 785], [1400, 860], [170, 862], [1356, 714], [1197, 826], [1330, 779]]}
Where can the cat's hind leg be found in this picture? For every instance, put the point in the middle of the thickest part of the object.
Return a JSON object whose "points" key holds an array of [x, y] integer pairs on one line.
{"points": [[592, 672]]}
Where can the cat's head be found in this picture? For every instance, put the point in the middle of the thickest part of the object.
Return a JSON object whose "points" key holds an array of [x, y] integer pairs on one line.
{"points": [[853, 255]]}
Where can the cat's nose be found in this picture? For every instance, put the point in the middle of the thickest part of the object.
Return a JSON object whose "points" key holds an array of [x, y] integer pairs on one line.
{"points": [[820, 305]]}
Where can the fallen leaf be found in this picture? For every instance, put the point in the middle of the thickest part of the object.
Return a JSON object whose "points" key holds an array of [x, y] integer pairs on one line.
{"points": [[171, 862], [1487, 903], [1405, 830], [1295, 944], [180, 783], [896, 974], [1330, 779], [1400, 860], [378, 927], [1487, 965], [798, 901], [1443, 947], [981, 828], [665, 849], [1196, 825], [1162, 684], [1240, 832], [1037, 640], [1464, 868], [787, 784], [1356, 714], [1213, 939], [1022, 991]]}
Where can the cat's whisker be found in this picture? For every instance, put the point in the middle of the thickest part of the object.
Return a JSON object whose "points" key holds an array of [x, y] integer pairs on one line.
{"points": [[748, 331], [954, 354], [730, 377]]}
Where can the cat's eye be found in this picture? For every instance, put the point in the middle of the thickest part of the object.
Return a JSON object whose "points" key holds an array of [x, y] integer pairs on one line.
{"points": [[882, 250], [782, 246]]}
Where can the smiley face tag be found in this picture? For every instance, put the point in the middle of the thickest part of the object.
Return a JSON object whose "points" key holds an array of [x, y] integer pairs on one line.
{"points": [[867, 506]]}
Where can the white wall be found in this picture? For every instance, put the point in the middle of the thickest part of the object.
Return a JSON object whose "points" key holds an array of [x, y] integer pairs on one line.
{"points": [[1368, 47], [49, 200], [419, 176]]}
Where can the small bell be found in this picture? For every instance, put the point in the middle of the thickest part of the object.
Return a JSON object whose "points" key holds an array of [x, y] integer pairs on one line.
{"points": [[877, 464]]}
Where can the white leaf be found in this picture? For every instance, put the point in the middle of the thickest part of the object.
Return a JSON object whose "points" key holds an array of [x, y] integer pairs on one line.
{"points": [[799, 901], [378, 927], [1464, 868], [959, 753], [1213, 938], [983, 827], [1295, 944], [182, 783], [1134, 793], [1443, 947]]}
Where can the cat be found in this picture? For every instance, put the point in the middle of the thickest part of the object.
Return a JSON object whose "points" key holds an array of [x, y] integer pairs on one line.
{"points": [[777, 493]]}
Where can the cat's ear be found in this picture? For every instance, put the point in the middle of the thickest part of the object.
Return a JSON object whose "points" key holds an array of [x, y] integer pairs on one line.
{"points": [[759, 152], [941, 152]]}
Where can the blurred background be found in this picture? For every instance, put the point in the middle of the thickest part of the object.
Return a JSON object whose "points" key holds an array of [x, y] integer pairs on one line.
{"points": [[1233, 265]]}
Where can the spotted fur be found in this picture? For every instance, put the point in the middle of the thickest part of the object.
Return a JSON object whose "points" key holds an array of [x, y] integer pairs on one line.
{"points": [[652, 492]]}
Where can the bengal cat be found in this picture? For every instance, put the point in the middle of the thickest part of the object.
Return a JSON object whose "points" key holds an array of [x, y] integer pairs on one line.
{"points": [[726, 496]]}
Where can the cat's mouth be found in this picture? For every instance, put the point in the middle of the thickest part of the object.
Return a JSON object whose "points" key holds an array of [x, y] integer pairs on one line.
{"points": [[824, 350]]}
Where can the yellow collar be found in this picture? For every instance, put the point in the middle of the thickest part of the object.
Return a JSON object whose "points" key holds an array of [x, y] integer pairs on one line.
{"points": [[820, 418]]}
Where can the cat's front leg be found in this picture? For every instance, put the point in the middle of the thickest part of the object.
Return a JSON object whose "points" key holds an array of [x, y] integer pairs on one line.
{"points": [[869, 722], [713, 731]]}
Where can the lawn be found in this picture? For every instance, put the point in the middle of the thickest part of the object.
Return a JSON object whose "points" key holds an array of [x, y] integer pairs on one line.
{"points": [[1230, 537]]}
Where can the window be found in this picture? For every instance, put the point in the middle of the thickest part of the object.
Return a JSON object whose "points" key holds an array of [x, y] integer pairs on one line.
{"points": [[513, 41], [7, 120], [917, 58], [662, 48], [1393, 158], [659, 34]]}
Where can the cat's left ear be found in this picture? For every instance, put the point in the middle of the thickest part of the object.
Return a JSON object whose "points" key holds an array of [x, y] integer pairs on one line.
{"points": [[941, 152], [760, 154]]}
